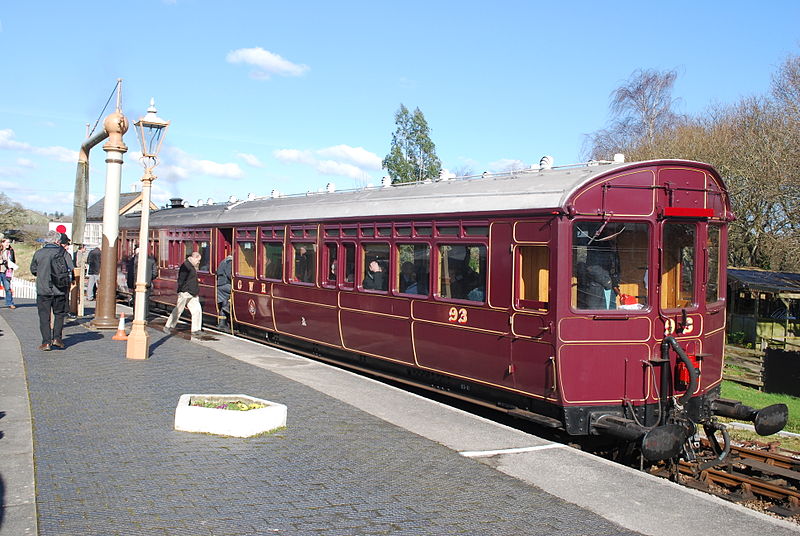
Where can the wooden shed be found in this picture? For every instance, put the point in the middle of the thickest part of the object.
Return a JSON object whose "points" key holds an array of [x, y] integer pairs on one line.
{"points": [[763, 308]]}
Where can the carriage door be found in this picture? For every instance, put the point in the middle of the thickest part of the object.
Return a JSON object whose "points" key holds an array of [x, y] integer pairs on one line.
{"points": [[533, 352], [224, 247]]}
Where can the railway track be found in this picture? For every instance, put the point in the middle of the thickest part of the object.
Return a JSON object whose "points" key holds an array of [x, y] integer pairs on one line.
{"points": [[764, 480]]}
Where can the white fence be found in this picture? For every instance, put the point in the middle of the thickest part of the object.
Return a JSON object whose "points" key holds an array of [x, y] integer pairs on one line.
{"points": [[21, 289]]}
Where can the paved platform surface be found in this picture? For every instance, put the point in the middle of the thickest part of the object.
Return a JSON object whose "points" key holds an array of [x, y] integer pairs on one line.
{"points": [[357, 457]]}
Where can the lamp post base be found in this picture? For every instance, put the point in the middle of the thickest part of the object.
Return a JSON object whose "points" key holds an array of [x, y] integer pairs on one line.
{"points": [[138, 341]]}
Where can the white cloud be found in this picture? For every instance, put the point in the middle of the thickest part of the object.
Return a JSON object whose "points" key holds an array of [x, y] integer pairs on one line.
{"points": [[331, 167], [507, 164], [183, 166], [24, 162], [159, 195], [355, 155], [340, 160], [250, 159], [62, 154], [215, 169], [265, 62], [295, 155]]}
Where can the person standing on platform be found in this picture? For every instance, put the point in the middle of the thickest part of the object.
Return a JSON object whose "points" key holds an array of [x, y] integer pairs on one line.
{"points": [[93, 260], [188, 292], [8, 263], [224, 280], [52, 267]]}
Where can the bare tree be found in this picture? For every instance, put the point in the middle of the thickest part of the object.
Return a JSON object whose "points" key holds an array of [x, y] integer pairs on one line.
{"points": [[640, 110], [12, 215]]}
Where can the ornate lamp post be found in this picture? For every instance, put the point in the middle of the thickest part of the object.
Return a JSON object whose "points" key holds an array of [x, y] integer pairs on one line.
{"points": [[151, 131]]}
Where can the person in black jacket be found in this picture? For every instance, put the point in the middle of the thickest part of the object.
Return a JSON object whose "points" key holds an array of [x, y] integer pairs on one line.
{"points": [[188, 295], [375, 278], [93, 260], [224, 280], [53, 278]]}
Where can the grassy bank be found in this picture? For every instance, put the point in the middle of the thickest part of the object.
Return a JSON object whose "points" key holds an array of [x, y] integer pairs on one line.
{"points": [[24, 252], [758, 399]]}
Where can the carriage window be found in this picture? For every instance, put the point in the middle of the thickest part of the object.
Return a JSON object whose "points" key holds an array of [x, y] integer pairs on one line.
{"points": [[610, 265], [246, 261], [163, 251], [677, 271], [375, 264], [712, 285], [273, 260], [205, 254], [476, 230], [305, 262], [181, 248], [462, 272], [447, 230], [413, 268], [534, 275], [154, 250], [331, 251], [349, 264]]}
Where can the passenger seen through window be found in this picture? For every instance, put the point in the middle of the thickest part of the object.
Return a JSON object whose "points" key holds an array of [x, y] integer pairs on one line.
{"points": [[609, 265]]}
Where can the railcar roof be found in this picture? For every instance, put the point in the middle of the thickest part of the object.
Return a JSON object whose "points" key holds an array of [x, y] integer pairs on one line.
{"points": [[513, 191]]}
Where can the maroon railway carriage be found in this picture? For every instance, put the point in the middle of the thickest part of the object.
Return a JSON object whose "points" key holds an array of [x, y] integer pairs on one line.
{"points": [[587, 298]]}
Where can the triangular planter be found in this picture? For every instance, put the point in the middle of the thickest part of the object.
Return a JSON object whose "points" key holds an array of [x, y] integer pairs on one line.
{"points": [[228, 422]]}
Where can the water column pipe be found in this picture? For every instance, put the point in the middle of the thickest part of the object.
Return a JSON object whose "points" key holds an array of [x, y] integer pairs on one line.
{"points": [[80, 203], [106, 312]]}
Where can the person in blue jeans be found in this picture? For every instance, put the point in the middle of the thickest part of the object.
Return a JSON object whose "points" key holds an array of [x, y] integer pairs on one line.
{"points": [[8, 262]]}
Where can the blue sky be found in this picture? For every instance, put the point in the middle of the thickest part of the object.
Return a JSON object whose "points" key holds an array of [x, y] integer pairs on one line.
{"points": [[291, 96]]}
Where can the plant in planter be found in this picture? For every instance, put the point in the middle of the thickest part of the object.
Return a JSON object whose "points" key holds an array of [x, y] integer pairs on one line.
{"points": [[230, 415]]}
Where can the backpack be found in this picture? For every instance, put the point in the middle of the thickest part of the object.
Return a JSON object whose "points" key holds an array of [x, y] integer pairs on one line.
{"points": [[60, 274]]}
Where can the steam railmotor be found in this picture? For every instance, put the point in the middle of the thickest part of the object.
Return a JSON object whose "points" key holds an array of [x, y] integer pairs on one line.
{"points": [[588, 298]]}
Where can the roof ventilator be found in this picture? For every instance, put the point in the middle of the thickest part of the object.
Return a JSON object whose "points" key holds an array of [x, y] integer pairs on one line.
{"points": [[546, 162]]}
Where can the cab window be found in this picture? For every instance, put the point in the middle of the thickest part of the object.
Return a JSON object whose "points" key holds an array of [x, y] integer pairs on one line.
{"points": [[610, 265], [677, 270], [712, 285]]}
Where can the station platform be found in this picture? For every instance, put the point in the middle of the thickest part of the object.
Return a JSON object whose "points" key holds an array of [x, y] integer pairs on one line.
{"points": [[88, 447]]}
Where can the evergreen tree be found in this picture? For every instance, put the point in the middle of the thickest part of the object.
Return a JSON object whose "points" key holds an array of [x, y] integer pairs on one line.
{"points": [[412, 156]]}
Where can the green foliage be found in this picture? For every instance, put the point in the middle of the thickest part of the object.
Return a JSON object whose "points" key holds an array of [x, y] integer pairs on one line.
{"points": [[12, 215], [753, 143], [736, 337], [758, 399], [412, 156], [236, 405]]}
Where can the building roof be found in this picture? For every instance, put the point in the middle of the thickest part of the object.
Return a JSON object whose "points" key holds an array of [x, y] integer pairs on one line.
{"points": [[786, 283], [127, 201]]}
